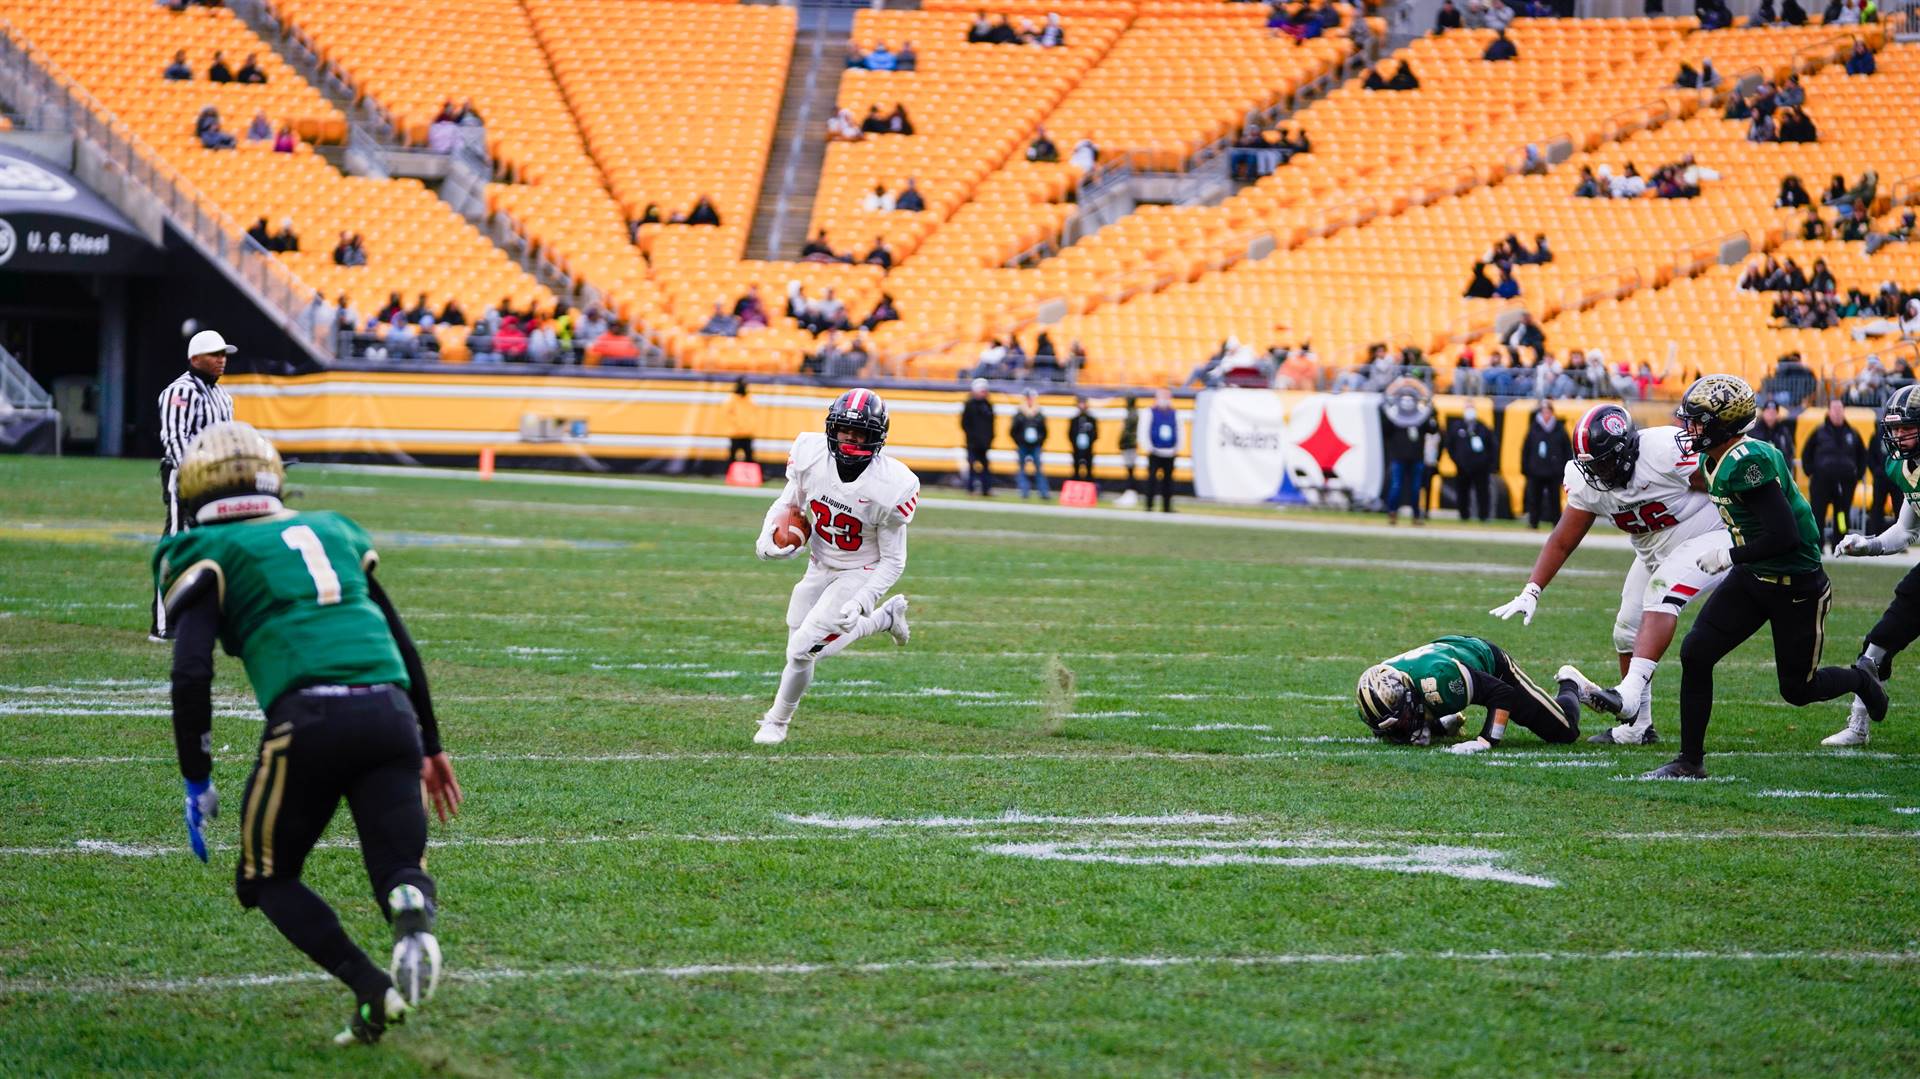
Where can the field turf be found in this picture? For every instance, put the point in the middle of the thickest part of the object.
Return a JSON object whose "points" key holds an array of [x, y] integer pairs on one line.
{"points": [[1108, 813]]}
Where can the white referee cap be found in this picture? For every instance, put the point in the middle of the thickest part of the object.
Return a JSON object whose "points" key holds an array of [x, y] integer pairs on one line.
{"points": [[208, 341]]}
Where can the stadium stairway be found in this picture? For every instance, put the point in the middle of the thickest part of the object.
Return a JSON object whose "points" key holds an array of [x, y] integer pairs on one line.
{"points": [[799, 151]]}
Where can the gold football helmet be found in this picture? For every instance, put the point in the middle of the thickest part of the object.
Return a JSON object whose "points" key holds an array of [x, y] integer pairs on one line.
{"points": [[226, 461], [1715, 410]]}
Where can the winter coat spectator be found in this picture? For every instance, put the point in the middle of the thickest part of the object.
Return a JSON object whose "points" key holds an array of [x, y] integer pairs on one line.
{"points": [[286, 239], [1406, 457], [261, 129], [1863, 192], [1042, 148], [980, 31], [1792, 94], [906, 59], [880, 255], [703, 212], [1046, 360], [1447, 19], [1688, 79], [1082, 432], [1052, 35], [750, 310], [1471, 447], [897, 122], [179, 70], [206, 128], [1402, 79], [1501, 48], [879, 200], [1792, 13], [880, 59], [1792, 194], [910, 200], [451, 315], [1777, 432], [250, 73], [614, 348], [1861, 61], [261, 234], [1544, 452], [1835, 457], [1527, 334], [842, 128], [720, 323], [1507, 288], [1028, 432], [1085, 156], [1163, 448], [218, 71], [976, 428], [884, 311], [284, 141], [1588, 186]]}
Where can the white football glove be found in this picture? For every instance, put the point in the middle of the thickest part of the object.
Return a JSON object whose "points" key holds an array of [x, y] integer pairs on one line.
{"points": [[1470, 747], [768, 550], [1522, 605], [853, 611], [1859, 545], [1715, 560]]}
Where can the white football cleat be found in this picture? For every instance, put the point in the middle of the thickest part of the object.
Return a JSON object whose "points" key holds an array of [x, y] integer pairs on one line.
{"points": [[1590, 693], [1856, 732], [896, 609], [415, 968], [772, 731]]}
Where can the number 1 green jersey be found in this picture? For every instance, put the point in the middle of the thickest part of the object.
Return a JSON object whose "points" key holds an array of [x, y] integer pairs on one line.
{"points": [[1442, 672], [1748, 465], [293, 596]]}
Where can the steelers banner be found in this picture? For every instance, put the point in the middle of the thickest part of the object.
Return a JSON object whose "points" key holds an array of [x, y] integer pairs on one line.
{"points": [[1324, 445]]}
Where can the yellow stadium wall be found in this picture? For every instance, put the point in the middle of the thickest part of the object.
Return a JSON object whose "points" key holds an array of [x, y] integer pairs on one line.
{"points": [[390, 413]]}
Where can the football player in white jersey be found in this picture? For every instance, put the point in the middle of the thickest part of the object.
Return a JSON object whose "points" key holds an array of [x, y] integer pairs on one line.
{"points": [[859, 502], [1651, 488]]}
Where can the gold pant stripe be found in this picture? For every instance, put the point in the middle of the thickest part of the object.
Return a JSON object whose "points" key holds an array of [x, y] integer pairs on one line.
{"points": [[1540, 696], [271, 816], [1820, 630], [250, 816]]}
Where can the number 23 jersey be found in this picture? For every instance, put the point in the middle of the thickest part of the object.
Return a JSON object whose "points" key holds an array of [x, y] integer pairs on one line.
{"points": [[1658, 509], [848, 518]]}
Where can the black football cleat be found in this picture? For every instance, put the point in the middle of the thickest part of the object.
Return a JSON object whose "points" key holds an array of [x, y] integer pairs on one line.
{"points": [[1677, 768], [1624, 734], [1872, 693], [372, 1017]]}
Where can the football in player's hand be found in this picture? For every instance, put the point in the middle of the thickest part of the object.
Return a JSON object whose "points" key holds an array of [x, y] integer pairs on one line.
{"points": [[792, 530]]}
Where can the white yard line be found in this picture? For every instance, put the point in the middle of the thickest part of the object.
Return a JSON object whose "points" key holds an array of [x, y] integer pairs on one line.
{"points": [[1819, 794], [1011, 816], [117, 986]]}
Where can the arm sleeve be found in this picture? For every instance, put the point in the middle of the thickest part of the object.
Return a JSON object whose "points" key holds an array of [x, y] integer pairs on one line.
{"points": [[416, 671], [1897, 537], [1775, 533], [196, 622]]}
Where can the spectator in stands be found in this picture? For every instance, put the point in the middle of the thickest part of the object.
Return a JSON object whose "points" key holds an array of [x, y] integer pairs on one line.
{"points": [[1542, 254], [910, 200], [1085, 156], [1713, 14], [817, 249], [873, 123], [1765, 15], [1835, 457], [992, 361], [720, 323], [1531, 162], [480, 342], [392, 307], [614, 348], [1052, 34], [1500, 48], [856, 60], [260, 233], [1447, 19], [451, 315], [1028, 432], [349, 251], [880, 59], [1901, 233], [420, 314], [1402, 79], [543, 341], [1862, 193], [1791, 94], [1792, 13], [1821, 279], [1298, 370], [1589, 185], [1792, 194], [897, 122], [832, 312], [1861, 61], [906, 59], [286, 239], [976, 431], [879, 200], [843, 128], [1544, 453], [261, 128], [510, 339], [206, 128], [284, 141], [980, 32], [218, 71], [469, 116], [1853, 224], [750, 310], [800, 309], [179, 70], [1629, 184], [880, 255], [1527, 334], [1042, 148], [884, 311], [1470, 445], [703, 212], [1688, 79], [250, 73], [1507, 288]]}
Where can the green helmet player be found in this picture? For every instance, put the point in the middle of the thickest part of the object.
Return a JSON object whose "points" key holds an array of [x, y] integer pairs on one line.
{"points": [[1775, 576], [1899, 625], [1417, 696], [345, 696]]}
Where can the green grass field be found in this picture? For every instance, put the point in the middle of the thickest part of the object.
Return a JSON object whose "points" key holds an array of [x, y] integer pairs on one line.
{"points": [[1109, 813]]}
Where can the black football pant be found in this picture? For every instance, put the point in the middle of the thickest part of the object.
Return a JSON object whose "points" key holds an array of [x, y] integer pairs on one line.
{"points": [[979, 475], [1831, 494], [1796, 609], [170, 496], [1471, 490], [1160, 481], [1555, 718], [1899, 624], [323, 744]]}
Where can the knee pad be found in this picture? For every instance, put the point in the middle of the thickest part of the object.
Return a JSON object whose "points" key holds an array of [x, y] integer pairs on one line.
{"points": [[1624, 633]]}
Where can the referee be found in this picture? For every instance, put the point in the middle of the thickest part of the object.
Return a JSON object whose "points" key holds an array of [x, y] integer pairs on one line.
{"points": [[188, 405]]}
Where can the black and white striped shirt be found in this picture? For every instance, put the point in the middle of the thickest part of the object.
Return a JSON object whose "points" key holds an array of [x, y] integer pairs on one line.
{"points": [[187, 406]]}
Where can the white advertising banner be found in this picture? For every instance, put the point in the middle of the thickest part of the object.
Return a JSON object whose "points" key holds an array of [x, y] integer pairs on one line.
{"points": [[1245, 441]]}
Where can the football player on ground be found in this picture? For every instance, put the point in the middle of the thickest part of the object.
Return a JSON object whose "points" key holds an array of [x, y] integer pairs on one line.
{"points": [[860, 502], [1652, 490], [1776, 578], [1900, 624], [348, 713], [1418, 696]]}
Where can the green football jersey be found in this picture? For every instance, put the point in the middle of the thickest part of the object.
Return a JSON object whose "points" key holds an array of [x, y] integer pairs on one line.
{"points": [[293, 599], [1905, 475], [1443, 671], [1750, 464]]}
